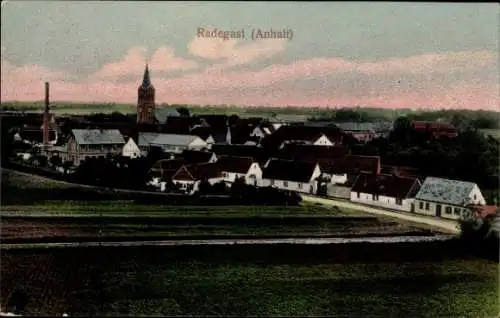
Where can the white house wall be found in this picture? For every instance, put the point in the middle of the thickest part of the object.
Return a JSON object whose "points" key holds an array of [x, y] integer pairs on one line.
{"points": [[457, 212], [303, 187], [476, 197], [131, 149], [383, 201], [323, 141]]}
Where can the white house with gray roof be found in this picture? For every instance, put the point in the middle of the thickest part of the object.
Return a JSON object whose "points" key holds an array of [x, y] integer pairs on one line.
{"points": [[170, 143], [87, 143], [447, 198]]}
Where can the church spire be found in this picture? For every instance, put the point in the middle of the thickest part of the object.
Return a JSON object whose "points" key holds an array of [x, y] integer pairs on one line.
{"points": [[146, 81]]}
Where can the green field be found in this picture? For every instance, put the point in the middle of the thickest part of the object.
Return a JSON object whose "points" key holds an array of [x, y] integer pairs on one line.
{"points": [[258, 281]]}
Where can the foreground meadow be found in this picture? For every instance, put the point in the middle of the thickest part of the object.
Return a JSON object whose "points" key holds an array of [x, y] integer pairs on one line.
{"points": [[365, 280]]}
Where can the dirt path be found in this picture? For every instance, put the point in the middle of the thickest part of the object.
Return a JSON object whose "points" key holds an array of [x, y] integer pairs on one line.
{"points": [[448, 226]]}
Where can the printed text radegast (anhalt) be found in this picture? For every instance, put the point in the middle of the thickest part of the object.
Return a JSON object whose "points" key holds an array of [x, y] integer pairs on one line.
{"points": [[253, 34]]}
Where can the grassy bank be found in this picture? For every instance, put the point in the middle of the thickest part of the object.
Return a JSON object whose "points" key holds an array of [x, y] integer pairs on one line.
{"points": [[366, 280]]}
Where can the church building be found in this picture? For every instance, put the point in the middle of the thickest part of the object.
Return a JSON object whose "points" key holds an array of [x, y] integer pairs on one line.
{"points": [[146, 100]]}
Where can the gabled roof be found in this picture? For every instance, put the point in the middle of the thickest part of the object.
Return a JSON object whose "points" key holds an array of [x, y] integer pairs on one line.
{"points": [[235, 164], [351, 165], [98, 136], [289, 170], [202, 171], [445, 191], [386, 185], [312, 152], [195, 156], [256, 153], [168, 164], [146, 139]]}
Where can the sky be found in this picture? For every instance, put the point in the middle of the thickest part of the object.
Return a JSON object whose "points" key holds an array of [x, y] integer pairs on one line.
{"points": [[373, 54]]}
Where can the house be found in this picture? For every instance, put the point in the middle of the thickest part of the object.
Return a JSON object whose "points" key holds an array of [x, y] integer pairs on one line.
{"points": [[262, 130], [196, 156], [86, 143], [170, 142], [341, 190], [290, 175], [219, 125], [388, 191], [189, 177], [312, 135], [447, 198], [163, 170], [338, 169], [131, 149], [240, 167]]}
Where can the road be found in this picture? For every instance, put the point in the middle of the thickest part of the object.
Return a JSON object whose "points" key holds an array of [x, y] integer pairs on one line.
{"points": [[448, 226], [312, 241]]}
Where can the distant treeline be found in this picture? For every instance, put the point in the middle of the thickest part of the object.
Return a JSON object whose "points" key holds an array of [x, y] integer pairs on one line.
{"points": [[484, 119]]}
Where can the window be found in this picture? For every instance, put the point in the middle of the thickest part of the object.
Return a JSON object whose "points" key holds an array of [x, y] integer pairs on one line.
{"points": [[475, 197], [399, 201], [427, 207], [447, 210], [421, 205], [272, 182], [299, 185], [285, 184], [358, 195], [457, 211]]}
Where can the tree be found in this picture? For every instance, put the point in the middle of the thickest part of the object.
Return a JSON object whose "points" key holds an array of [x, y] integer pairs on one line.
{"points": [[183, 111], [204, 187], [56, 161]]}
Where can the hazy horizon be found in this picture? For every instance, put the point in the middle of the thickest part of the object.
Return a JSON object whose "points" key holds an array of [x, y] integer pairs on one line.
{"points": [[373, 55]]}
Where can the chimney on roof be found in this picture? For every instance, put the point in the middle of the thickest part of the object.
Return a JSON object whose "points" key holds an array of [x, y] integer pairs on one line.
{"points": [[46, 117]]}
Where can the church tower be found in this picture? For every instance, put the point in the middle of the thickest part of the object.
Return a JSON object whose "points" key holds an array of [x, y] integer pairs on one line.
{"points": [[146, 100]]}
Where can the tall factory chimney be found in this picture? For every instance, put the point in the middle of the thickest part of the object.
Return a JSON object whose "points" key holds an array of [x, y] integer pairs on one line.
{"points": [[46, 117]]}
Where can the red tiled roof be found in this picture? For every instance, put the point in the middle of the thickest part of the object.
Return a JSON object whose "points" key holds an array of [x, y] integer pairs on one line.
{"points": [[351, 165], [289, 170], [201, 171], [482, 211], [235, 164], [386, 185]]}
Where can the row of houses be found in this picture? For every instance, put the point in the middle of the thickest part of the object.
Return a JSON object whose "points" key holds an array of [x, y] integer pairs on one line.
{"points": [[431, 196]]}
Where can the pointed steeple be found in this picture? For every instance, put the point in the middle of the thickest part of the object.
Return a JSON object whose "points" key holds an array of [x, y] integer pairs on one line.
{"points": [[146, 81]]}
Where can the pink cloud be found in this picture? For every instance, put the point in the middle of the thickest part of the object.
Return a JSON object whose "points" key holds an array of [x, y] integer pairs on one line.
{"points": [[164, 59], [232, 54], [280, 84], [134, 61]]}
